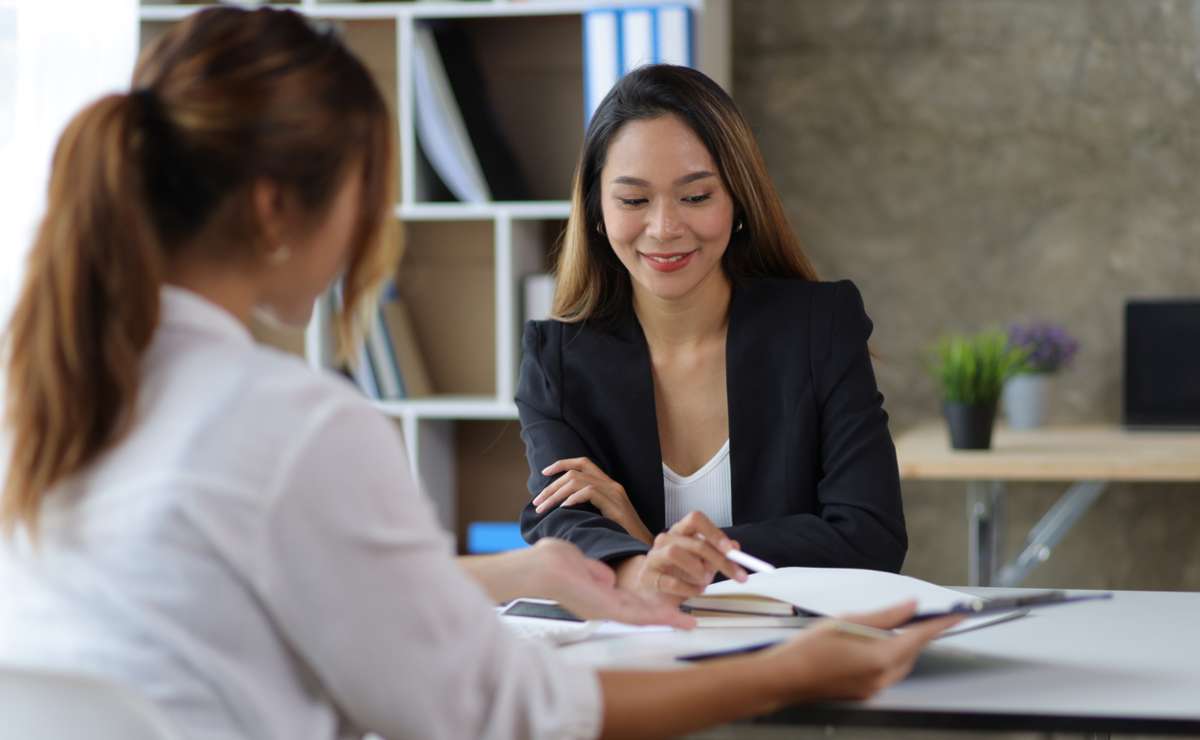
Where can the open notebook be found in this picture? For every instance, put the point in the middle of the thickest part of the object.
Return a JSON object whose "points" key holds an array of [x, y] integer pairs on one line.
{"points": [[784, 596]]}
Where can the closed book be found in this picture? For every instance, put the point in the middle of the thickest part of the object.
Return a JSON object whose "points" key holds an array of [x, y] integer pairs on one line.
{"points": [[638, 41], [601, 56], [758, 605], [364, 374], [413, 372], [618, 40], [384, 360], [749, 621], [837, 592]]}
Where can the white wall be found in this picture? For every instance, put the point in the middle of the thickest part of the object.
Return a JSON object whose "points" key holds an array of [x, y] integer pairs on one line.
{"points": [[55, 56]]}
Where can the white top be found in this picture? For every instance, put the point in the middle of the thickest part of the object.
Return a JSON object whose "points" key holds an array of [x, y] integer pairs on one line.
{"points": [[708, 490], [256, 559]]}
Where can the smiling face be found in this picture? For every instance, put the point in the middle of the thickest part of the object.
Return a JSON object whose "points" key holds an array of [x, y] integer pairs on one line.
{"points": [[667, 213]]}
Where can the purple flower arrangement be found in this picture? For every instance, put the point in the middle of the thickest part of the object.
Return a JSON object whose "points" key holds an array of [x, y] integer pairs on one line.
{"points": [[1050, 348]]}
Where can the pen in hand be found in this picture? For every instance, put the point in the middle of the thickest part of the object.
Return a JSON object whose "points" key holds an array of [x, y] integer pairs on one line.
{"points": [[747, 561]]}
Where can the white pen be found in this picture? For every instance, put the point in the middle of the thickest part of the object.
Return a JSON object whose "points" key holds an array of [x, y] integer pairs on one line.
{"points": [[749, 562]]}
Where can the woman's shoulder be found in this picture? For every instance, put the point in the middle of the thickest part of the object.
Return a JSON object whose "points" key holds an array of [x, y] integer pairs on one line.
{"points": [[819, 296], [552, 336], [291, 390]]}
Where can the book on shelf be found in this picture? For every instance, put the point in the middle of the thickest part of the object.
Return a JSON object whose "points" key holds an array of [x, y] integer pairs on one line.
{"points": [[501, 171], [363, 374], [441, 131], [538, 296], [402, 339], [619, 40], [389, 365], [457, 125], [382, 356]]}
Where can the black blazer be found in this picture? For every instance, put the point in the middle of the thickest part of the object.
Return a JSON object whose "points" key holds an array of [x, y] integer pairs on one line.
{"points": [[815, 479]]}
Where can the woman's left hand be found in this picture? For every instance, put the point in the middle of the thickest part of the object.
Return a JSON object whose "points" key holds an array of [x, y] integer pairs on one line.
{"points": [[581, 481], [558, 570]]}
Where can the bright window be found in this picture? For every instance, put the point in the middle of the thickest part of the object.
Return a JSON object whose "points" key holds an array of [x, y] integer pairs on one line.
{"points": [[55, 56]]}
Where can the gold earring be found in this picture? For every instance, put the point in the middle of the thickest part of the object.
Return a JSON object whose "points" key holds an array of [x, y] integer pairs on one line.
{"points": [[279, 255]]}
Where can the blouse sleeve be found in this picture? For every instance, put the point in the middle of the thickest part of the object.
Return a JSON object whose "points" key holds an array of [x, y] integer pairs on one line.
{"points": [[362, 583]]}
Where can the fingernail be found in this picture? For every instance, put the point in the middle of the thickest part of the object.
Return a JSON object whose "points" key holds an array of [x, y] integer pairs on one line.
{"points": [[725, 545], [546, 470], [538, 510]]}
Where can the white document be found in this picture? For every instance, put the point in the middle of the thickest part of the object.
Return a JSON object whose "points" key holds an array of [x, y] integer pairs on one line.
{"points": [[440, 128]]}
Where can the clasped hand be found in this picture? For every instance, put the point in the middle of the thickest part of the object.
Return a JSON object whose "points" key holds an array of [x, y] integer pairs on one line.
{"points": [[580, 480], [682, 561]]}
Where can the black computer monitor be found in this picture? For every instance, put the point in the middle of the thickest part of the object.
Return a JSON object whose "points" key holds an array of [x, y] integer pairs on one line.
{"points": [[1162, 363]]}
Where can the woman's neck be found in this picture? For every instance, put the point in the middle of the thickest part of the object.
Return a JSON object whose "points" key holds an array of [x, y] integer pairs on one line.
{"points": [[228, 288], [689, 320]]}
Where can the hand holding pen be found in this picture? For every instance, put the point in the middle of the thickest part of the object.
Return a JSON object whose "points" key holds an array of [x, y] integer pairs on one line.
{"points": [[683, 560]]}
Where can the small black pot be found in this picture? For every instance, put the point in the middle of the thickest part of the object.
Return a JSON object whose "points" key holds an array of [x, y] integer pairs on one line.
{"points": [[970, 424]]}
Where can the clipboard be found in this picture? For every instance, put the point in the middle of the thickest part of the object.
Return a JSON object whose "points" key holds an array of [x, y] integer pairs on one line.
{"points": [[980, 606]]}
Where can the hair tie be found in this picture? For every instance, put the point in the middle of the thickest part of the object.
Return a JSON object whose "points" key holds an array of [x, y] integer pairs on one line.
{"points": [[146, 100]]}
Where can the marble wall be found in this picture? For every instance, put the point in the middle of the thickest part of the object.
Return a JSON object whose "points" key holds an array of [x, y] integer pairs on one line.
{"points": [[972, 162]]}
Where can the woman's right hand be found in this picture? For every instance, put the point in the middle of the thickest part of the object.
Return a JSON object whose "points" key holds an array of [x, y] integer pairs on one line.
{"points": [[682, 561], [824, 662]]}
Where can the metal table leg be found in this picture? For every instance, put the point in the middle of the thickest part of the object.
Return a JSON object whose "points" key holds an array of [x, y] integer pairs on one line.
{"points": [[1050, 530], [985, 529]]}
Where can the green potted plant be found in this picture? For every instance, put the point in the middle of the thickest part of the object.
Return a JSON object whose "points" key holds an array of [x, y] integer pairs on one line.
{"points": [[972, 370]]}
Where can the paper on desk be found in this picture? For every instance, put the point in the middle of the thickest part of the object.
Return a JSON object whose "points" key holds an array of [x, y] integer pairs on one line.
{"points": [[841, 591], [607, 628]]}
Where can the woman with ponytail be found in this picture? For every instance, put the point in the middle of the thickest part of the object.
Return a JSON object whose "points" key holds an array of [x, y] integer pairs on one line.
{"points": [[216, 525]]}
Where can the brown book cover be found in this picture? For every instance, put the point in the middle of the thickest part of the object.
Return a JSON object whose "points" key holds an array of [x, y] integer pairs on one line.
{"points": [[408, 353]]}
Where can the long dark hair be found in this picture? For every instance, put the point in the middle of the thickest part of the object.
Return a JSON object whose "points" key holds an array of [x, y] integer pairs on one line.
{"points": [[592, 282], [224, 98]]}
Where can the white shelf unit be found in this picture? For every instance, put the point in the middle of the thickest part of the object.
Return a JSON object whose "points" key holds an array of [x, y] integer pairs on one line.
{"points": [[464, 262]]}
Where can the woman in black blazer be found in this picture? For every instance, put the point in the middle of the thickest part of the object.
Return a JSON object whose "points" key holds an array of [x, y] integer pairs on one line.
{"points": [[689, 320]]}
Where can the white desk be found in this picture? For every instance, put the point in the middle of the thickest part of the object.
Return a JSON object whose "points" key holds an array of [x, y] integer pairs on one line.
{"points": [[1129, 665]]}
